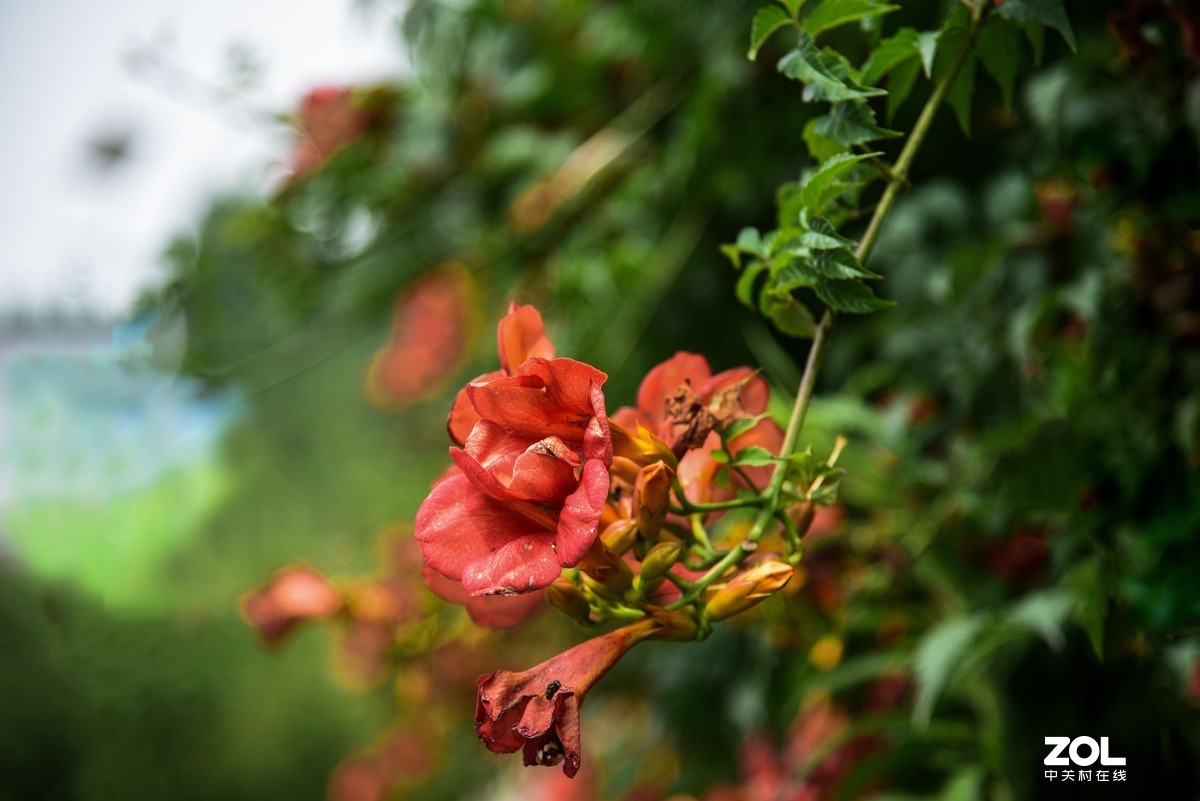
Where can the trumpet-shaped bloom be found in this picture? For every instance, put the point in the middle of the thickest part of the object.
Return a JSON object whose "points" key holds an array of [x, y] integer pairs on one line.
{"points": [[537, 711], [532, 473]]}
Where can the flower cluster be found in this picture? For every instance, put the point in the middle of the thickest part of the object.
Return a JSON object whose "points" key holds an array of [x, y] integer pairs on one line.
{"points": [[610, 517]]}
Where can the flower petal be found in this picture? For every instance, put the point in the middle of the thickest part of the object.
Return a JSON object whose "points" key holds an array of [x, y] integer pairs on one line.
{"points": [[580, 518], [524, 564], [458, 525], [489, 611], [520, 335], [463, 416], [597, 437], [545, 398]]}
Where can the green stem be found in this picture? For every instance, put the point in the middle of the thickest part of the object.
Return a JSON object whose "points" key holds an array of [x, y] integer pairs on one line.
{"points": [[899, 176]]}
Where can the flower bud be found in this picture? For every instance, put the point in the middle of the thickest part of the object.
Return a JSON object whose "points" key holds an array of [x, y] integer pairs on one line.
{"points": [[605, 572], [567, 598], [652, 494], [618, 537], [673, 626], [802, 516], [747, 589], [658, 562], [641, 447]]}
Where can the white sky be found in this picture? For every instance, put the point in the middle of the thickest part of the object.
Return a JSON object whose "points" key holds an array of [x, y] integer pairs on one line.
{"points": [[74, 237]]}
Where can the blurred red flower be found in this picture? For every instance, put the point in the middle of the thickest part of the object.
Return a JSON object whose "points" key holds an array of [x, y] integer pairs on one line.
{"points": [[328, 118], [292, 596], [430, 329]]}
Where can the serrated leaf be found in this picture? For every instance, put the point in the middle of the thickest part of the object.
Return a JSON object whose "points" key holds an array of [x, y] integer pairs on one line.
{"points": [[807, 64], [851, 297], [754, 456], [793, 6], [961, 93], [790, 316], [1046, 12], [824, 240], [824, 185], [740, 426], [750, 241], [962, 90], [840, 264], [927, 46], [795, 273], [821, 226], [940, 652], [1043, 613], [998, 52], [849, 124], [833, 13], [1036, 34], [789, 202], [767, 20], [900, 86], [745, 283], [891, 52], [820, 146]]}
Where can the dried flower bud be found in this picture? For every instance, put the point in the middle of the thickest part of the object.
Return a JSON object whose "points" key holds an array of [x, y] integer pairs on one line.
{"points": [[567, 598], [747, 589], [652, 494]]}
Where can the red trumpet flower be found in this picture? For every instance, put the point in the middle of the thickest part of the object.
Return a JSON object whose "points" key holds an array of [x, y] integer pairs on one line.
{"points": [[537, 711], [532, 475]]}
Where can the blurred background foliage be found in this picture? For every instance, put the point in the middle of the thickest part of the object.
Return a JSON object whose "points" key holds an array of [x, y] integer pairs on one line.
{"points": [[1015, 552]]}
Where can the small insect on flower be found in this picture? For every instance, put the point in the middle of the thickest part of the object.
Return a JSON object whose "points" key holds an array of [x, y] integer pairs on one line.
{"points": [[549, 754]]}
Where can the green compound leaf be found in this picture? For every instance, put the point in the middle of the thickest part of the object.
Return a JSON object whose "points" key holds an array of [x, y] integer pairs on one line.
{"points": [[851, 297], [816, 70], [1046, 12], [833, 13], [767, 21]]}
